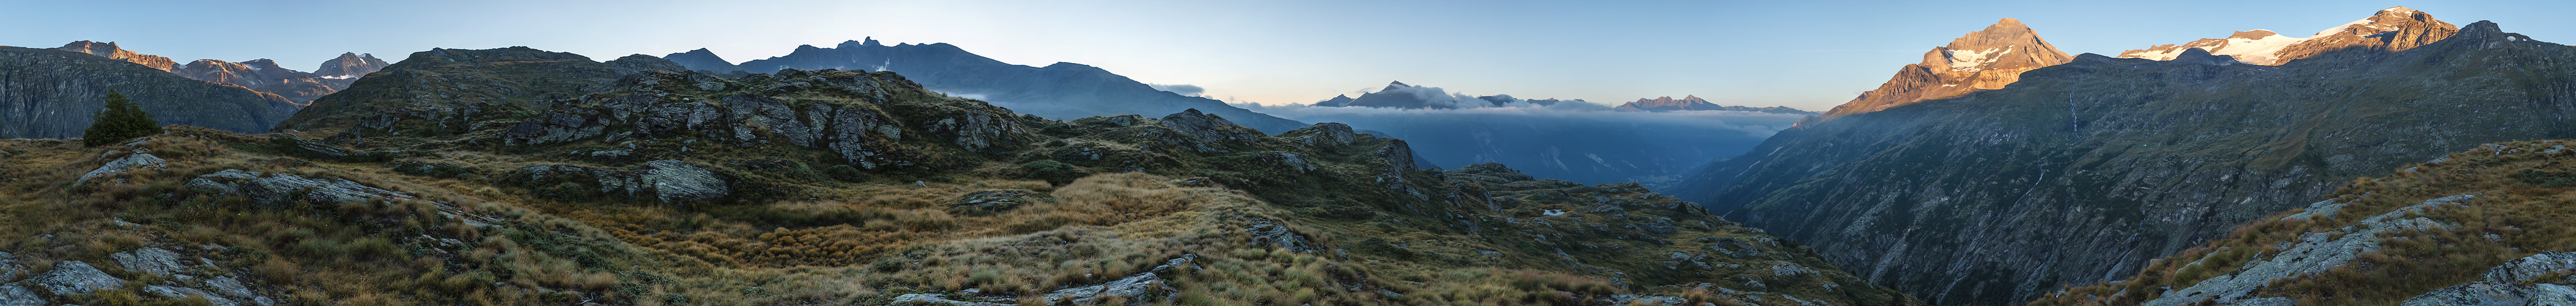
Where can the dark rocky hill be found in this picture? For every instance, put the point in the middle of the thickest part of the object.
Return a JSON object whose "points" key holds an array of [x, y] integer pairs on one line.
{"points": [[2082, 172], [450, 87], [48, 93]]}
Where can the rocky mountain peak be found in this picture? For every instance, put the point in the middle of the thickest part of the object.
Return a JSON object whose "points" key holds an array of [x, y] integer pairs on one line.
{"points": [[2008, 44], [350, 65], [1982, 60], [111, 50], [2388, 30]]}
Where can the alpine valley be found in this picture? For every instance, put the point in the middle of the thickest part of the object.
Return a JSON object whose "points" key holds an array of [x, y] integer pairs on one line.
{"points": [[2394, 160]]}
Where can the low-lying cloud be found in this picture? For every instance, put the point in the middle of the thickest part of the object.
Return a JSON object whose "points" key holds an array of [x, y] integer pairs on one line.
{"points": [[1755, 124], [1183, 89]]}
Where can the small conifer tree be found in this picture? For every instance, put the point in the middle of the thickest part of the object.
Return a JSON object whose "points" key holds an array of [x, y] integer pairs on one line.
{"points": [[121, 120]]}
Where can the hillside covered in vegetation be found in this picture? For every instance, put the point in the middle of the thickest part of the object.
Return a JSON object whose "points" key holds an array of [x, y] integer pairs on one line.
{"points": [[841, 188]]}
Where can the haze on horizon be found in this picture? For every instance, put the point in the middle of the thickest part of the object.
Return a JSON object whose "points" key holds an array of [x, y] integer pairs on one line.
{"points": [[1809, 55]]}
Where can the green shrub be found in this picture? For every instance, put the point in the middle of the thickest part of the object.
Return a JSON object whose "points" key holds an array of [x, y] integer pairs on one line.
{"points": [[119, 122], [1053, 172], [845, 173]]}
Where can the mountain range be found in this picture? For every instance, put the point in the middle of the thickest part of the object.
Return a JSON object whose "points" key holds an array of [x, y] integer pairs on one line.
{"points": [[1690, 103], [1572, 140], [262, 75], [52, 93], [1060, 90], [2392, 29], [2085, 171]]}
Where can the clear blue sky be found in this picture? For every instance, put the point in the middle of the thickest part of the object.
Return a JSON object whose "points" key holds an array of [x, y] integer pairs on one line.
{"points": [[1805, 54]]}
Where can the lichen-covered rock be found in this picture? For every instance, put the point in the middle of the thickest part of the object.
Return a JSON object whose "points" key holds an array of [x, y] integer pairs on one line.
{"points": [[678, 181], [282, 188], [1266, 233], [935, 299], [228, 286], [9, 268], [2537, 265], [668, 181], [1136, 289], [184, 292], [2493, 293], [75, 278], [2314, 253], [15, 295], [122, 165], [156, 261]]}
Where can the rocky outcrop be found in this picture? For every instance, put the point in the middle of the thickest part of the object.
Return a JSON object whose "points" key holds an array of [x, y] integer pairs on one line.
{"points": [[71, 278], [130, 162], [2315, 252], [667, 181], [1062, 91], [2504, 285], [1271, 234], [155, 261], [1136, 290], [1983, 60], [53, 93], [281, 188], [15, 295], [2079, 170]]}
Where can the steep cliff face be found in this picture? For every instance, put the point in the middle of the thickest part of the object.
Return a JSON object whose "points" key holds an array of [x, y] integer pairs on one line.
{"points": [[1060, 90], [2081, 172], [449, 88], [112, 51], [2390, 30], [1982, 60], [46, 93]]}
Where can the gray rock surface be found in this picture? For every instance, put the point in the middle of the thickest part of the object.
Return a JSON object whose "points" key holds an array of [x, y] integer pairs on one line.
{"points": [[9, 268], [15, 295], [183, 292], [2493, 293], [1324, 134], [281, 188], [668, 181], [2528, 268], [156, 261], [2315, 252], [1266, 233], [75, 278], [935, 299], [122, 165], [230, 287], [1136, 289]]}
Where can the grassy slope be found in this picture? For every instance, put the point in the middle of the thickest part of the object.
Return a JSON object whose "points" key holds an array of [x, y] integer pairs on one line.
{"points": [[2524, 200], [793, 236]]}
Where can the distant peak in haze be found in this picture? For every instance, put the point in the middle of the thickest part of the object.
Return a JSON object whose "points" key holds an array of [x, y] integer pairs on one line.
{"points": [[1694, 103], [2390, 30], [1397, 94]]}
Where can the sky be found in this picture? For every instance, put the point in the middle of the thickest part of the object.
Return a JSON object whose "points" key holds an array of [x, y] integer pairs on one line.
{"points": [[1805, 54]]}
